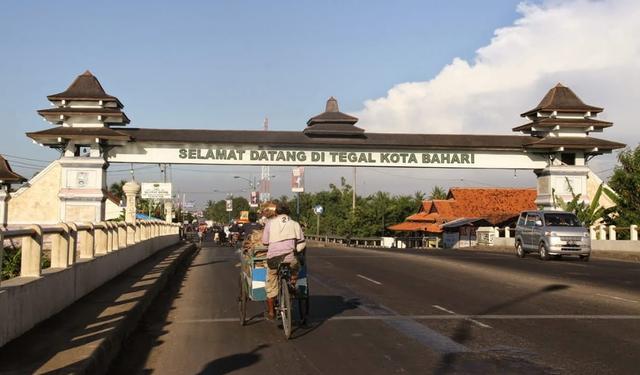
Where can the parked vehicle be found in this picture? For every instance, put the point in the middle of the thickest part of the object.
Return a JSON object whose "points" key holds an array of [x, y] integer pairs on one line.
{"points": [[551, 233]]}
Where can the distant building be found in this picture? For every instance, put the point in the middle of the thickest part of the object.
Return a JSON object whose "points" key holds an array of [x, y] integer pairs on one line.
{"points": [[466, 209]]}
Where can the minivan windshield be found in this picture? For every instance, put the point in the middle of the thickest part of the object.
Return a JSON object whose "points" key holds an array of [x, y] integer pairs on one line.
{"points": [[561, 220]]}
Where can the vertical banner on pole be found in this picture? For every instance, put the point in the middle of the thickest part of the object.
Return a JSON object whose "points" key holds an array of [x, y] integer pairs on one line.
{"points": [[297, 180], [255, 199], [229, 205]]}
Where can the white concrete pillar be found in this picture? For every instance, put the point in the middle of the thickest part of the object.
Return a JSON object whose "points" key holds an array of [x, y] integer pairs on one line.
{"points": [[633, 230], [109, 237], [60, 248], [592, 232], [168, 211], [507, 232], [1, 253], [115, 242], [31, 258], [496, 232], [612, 232], [4, 205], [602, 233], [131, 190]]}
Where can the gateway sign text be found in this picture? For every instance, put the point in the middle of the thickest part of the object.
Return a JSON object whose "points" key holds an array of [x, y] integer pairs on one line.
{"points": [[291, 157]]}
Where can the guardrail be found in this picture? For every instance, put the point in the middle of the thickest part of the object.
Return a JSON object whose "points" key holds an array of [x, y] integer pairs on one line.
{"points": [[596, 232], [387, 242], [71, 242]]}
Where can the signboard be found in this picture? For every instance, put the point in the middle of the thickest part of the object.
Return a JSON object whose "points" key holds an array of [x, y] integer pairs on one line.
{"points": [[229, 205], [318, 210], [252, 155], [255, 199], [190, 204], [156, 190], [297, 180], [244, 217]]}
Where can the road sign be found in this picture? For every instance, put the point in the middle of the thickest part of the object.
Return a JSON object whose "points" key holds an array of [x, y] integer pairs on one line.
{"points": [[229, 205], [156, 190], [297, 180], [318, 210]]}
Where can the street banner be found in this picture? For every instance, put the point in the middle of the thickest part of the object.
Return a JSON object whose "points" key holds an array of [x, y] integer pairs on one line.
{"points": [[156, 190], [244, 217], [229, 205], [297, 180], [255, 199]]}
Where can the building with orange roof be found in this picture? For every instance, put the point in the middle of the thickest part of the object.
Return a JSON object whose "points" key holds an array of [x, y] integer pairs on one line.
{"points": [[465, 209]]}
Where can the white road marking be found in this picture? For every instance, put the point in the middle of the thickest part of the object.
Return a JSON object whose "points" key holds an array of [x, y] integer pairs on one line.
{"points": [[368, 279], [433, 317], [445, 310], [469, 319], [617, 298]]}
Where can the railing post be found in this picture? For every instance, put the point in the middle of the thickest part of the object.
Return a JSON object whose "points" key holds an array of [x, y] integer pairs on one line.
{"points": [[602, 233], [101, 239], [1, 254], [31, 262], [115, 241], [131, 233], [73, 243], [87, 239], [122, 235], [138, 231], [60, 248], [109, 236], [507, 232], [633, 232], [612, 232], [592, 232]]}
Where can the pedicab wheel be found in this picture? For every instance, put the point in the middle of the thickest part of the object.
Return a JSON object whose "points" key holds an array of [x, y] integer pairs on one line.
{"points": [[284, 306], [242, 303]]}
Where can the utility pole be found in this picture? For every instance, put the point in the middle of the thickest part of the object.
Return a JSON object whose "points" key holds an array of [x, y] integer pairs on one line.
{"points": [[353, 195]]}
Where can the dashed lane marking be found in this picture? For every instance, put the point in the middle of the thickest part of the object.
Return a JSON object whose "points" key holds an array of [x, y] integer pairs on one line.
{"points": [[617, 298], [469, 319], [368, 279]]}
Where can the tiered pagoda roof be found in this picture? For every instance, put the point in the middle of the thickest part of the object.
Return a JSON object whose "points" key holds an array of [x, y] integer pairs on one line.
{"points": [[333, 122], [7, 175], [87, 98], [562, 109]]}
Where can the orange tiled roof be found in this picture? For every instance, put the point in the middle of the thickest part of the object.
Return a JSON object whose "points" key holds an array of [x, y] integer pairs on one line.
{"points": [[496, 205]]}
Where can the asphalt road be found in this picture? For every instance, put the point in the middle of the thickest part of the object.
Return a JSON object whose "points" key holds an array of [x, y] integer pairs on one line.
{"points": [[402, 311]]}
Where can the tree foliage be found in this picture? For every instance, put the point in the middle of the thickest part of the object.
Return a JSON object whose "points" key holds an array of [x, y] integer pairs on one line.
{"points": [[625, 181], [217, 211], [438, 192], [587, 213]]}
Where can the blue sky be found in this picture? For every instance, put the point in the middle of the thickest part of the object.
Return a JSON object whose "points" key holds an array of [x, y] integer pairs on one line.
{"points": [[228, 64]]}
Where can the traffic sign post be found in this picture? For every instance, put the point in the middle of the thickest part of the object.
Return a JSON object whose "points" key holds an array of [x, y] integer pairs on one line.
{"points": [[318, 210]]}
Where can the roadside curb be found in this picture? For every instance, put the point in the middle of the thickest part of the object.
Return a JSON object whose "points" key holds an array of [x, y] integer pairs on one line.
{"points": [[100, 360], [88, 335]]}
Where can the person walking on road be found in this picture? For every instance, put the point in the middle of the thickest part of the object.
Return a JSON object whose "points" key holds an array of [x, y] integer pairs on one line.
{"points": [[284, 238]]}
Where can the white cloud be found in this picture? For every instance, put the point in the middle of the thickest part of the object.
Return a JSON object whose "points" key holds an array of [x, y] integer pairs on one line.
{"points": [[591, 46]]}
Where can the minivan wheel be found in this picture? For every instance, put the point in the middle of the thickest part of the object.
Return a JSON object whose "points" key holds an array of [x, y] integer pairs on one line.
{"points": [[519, 250], [544, 253], [584, 258]]}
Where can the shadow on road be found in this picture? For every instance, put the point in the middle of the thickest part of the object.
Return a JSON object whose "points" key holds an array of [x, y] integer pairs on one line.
{"points": [[462, 333], [152, 326], [233, 362], [323, 308]]}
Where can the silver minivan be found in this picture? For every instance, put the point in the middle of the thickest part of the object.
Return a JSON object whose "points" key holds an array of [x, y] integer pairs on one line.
{"points": [[551, 233]]}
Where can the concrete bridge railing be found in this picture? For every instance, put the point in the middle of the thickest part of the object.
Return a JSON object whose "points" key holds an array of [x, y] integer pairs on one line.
{"points": [[83, 256]]}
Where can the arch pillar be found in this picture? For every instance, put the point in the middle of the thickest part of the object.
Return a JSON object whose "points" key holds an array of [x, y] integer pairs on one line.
{"points": [[131, 190]]}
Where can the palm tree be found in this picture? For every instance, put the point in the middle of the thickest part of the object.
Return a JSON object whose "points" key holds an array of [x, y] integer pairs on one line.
{"points": [[438, 193]]}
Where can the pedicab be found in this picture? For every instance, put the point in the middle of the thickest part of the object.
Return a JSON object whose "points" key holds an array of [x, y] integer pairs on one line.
{"points": [[253, 279]]}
